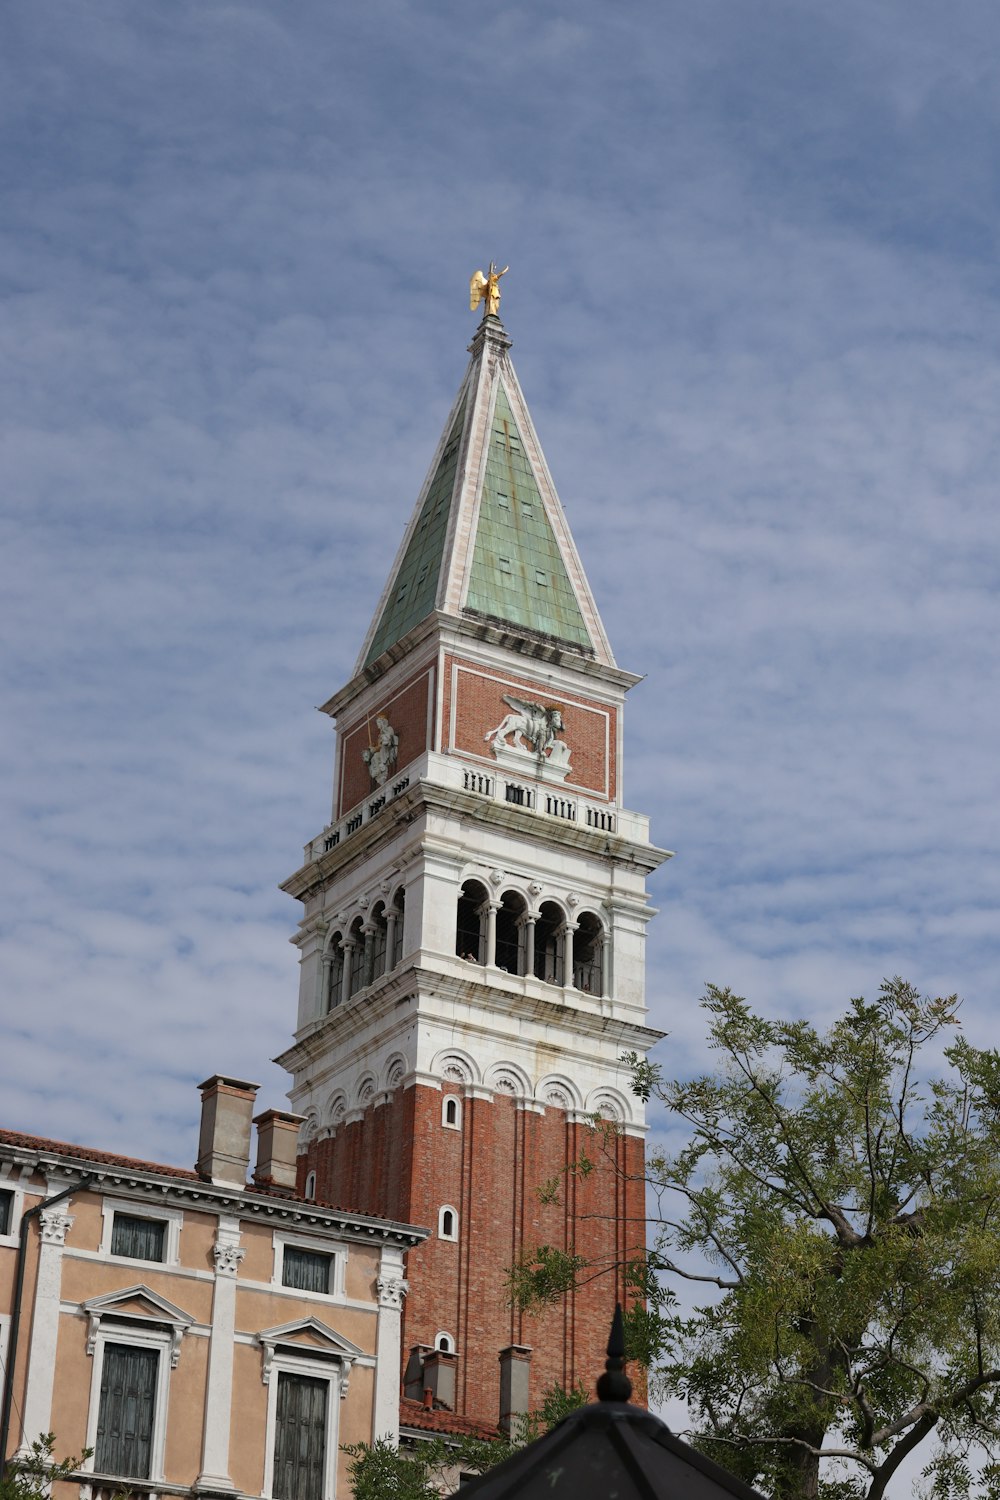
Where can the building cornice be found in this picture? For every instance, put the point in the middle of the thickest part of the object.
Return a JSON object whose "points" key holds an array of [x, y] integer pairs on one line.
{"points": [[207, 1197], [452, 629], [427, 796], [415, 989]]}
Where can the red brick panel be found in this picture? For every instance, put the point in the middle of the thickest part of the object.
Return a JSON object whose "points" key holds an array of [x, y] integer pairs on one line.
{"points": [[590, 728], [406, 710], [507, 1173]]}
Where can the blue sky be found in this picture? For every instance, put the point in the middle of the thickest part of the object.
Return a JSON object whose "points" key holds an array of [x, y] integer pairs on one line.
{"points": [[754, 303]]}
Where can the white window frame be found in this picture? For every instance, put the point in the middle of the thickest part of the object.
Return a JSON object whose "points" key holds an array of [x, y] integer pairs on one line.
{"points": [[12, 1239], [4, 1338], [455, 1124], [446, 1208], [310, 1192], [443, 1333], [287, 1362], [172, 1217], [160, 1339], [337, 1253]]}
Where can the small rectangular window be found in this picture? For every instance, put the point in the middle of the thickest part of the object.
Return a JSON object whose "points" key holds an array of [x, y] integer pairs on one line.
{"points": [[541, 578], [139, 1239], [306, 1270], [503, 500], [504, 563], [401, 592], [125, 1416], [527, 510], [6, 1211]]}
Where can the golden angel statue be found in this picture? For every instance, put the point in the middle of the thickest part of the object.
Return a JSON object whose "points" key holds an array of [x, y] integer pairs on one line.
{"points": [[486, 289]]}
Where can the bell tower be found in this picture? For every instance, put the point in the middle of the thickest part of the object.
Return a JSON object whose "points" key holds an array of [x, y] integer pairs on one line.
{"points": [[473, 926]]}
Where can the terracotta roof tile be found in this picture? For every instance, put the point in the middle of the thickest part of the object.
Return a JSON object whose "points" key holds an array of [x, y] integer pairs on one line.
{"points": [[85, 1153], [415, 1414]]}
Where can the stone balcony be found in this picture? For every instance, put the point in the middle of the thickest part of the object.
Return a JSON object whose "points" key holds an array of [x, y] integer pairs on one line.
{"points": [[496, 784]]}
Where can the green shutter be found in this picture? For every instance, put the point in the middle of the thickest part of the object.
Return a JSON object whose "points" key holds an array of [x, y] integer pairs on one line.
{"points": [[125, 1419], [300, 1438]]}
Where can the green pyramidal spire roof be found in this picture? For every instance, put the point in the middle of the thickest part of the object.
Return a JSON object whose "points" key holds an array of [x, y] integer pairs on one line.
{"points": [[488, 538]]}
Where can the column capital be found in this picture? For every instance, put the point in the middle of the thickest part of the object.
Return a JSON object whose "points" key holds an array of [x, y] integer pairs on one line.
{"points": [[53, 1225], [391, 1290]]}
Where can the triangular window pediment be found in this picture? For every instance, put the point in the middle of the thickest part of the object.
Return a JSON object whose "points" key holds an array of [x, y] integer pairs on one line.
{"points": [[307, 1336], [136, 1304]]}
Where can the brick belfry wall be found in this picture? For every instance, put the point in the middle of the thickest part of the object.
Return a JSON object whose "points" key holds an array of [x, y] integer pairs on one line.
{"points": [[400, 1162]]}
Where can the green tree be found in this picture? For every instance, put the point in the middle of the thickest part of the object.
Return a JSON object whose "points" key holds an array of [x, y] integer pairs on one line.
{"points": [[380, 1471], [30, 1478], [844, 1207]]}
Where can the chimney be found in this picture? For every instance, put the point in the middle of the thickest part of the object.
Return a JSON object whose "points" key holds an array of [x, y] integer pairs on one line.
{"points": [[277, 1149], [440, 1370], [224, 1144], [515, 1369], [413, 1375]]}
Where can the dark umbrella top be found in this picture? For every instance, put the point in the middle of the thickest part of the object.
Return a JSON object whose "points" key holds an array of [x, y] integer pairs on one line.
{"points": [[609, 1450]]}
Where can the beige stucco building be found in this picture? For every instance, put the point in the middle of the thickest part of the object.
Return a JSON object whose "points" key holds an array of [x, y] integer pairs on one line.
{"points": [[202, 1336]]}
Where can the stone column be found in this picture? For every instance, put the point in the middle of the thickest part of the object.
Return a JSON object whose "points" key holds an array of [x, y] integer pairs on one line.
{"points": [[392, 1288], [326, 1003], [368, 971], [219, 1386], [565, 953], [347, 948], [391, 918], [492, 907], [529, 944], [605, 966], [53, 1225]]}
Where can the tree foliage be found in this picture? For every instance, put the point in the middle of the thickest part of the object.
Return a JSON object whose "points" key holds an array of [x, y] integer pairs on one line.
{"points": [[380, 1470], [31, 1477], [843, 1208]]}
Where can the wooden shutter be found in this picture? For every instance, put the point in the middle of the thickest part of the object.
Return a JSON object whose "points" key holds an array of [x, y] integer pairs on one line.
{"points": [[300, 1438], [125, 1420]]}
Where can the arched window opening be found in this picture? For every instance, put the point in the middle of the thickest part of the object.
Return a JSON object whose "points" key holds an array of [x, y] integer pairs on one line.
{"points": [[444, 1343], [357, 952], [451, 1112], [549, 943], [334, 964], [447, 1223], [510, 933], [470, 936], [588, 946], [379, 940], [311, 1187]]}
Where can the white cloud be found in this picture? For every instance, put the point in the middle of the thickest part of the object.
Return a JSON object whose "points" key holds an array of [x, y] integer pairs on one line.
{"points": [[754, 312]]}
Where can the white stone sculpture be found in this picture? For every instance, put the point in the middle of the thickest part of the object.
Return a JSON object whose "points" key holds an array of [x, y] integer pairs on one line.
{"points": [[539, 724], [381, 758]]}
